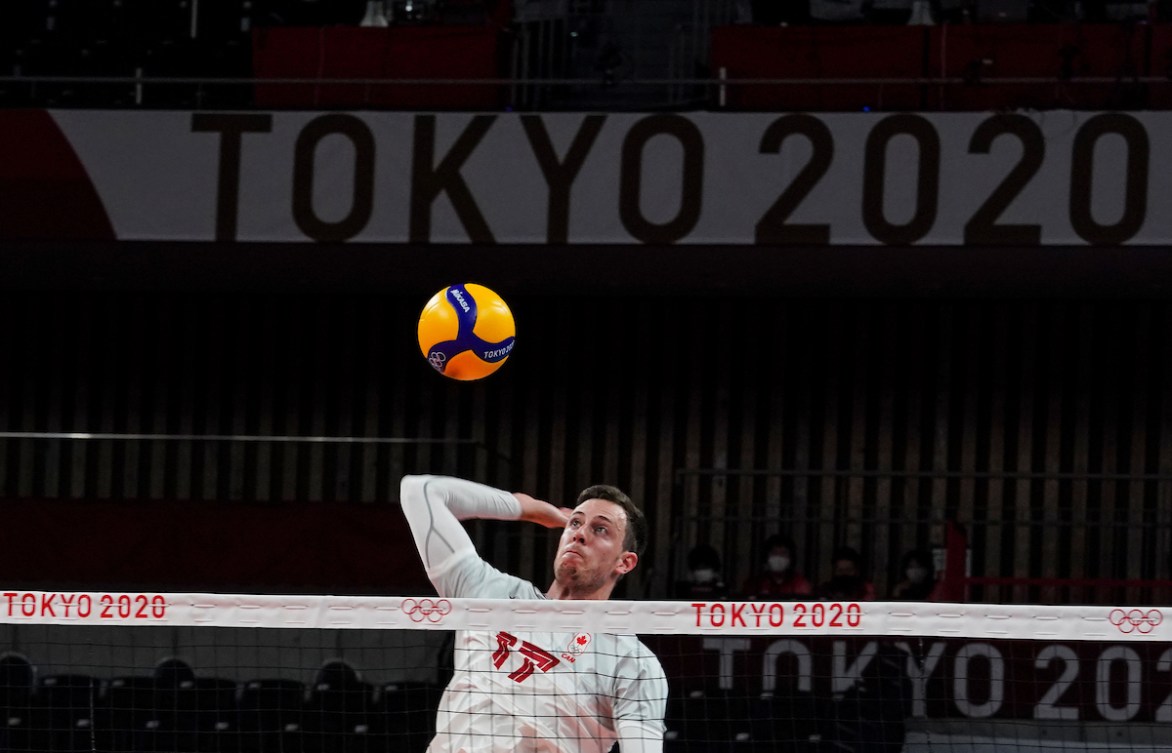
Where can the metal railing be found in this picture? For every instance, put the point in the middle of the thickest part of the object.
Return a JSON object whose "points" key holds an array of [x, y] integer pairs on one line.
{"points": [[521, 92], [1035, 534]]}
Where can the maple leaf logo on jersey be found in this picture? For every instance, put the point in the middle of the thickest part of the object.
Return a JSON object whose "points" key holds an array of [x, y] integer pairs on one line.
{"points": [[577, 647]]}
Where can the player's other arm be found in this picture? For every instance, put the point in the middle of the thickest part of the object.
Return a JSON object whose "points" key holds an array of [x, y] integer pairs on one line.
{"points": [[640, 704]]}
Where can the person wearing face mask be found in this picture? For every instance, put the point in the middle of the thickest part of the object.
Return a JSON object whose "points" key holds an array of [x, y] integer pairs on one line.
{"points": [[847, 582], [779, 579], [704, 579], [917, 574]]}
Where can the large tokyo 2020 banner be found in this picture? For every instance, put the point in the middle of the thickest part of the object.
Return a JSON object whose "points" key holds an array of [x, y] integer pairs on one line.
{"points": [[1054, 178]]}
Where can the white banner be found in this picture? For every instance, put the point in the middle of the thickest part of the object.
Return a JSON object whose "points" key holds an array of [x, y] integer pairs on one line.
{"points": [[1022, 622], [974, 179]]}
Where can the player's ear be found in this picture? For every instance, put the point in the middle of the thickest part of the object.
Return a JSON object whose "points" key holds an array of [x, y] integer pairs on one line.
{"points": [[627, 562]]}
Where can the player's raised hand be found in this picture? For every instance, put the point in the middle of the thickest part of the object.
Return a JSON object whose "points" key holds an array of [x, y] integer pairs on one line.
{"points": [[541, 512]]}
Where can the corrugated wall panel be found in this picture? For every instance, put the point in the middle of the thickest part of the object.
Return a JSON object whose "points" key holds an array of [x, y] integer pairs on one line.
{"points": [[1045, 427]]}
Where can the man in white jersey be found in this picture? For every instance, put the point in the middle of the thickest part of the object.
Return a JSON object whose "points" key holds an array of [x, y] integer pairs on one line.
{"points": [[539, 692]]}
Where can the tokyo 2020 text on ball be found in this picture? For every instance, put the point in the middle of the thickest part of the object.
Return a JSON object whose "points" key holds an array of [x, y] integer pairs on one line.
{"points": [[466, 331]]}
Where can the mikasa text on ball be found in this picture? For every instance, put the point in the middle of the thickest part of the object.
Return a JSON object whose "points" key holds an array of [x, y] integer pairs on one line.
{"points": [[466, 331]]}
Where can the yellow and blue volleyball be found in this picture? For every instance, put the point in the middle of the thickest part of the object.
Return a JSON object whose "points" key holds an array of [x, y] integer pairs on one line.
{"points": [[466, 331]]}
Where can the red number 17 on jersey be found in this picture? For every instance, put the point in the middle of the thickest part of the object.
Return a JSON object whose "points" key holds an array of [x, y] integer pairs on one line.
{"points": [[535, 657]]}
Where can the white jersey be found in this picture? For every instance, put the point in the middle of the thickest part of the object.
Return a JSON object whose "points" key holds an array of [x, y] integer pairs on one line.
{"points": [[526, 692]]}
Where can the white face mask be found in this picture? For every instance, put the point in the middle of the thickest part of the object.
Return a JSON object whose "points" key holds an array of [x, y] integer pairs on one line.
{"points": [[917, 574], [778, 563], [703, 575]]}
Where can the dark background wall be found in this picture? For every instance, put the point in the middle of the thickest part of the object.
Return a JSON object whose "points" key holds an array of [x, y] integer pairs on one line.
{"points": [[729, 405]]}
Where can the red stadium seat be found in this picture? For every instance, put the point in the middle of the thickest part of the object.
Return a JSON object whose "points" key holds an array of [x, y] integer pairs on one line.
{"points": [[821, 52], [397, 53], [1160, 66], [1062, 54]]}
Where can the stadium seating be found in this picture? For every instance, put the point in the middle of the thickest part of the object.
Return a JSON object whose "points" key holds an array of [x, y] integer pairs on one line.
{"points": [[17, 683], [175, 710], [698, 720], [270, 713], [404, 717], [337, 712], [127, 710], [65, 713]]}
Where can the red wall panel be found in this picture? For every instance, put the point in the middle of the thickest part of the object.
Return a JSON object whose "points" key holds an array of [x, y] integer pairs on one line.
{"points": [[1160, 65], [193, 546], [47, 193], [821, 52], [1067, 55], [402, 52]]}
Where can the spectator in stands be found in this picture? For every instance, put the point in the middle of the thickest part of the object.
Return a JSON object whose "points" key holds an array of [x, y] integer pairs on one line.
{"points": [[704, 580], [847, 581], [917, 577], [779, 578]]}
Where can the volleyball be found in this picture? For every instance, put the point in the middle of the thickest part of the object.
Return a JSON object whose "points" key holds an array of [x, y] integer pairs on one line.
{"points": [[466, 331]]}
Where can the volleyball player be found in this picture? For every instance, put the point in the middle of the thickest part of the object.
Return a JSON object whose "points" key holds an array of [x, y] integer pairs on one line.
{"points": [[547, 692]]}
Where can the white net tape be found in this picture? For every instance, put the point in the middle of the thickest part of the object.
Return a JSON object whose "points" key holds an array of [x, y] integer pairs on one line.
{"points": [[1021, 622], [745, 677]]}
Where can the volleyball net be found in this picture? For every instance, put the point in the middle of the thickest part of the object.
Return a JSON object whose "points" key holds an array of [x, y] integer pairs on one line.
{"points": [[227, 672]]}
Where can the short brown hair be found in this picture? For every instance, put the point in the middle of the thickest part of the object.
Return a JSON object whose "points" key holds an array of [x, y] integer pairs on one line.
{"points": [[636, 537]]}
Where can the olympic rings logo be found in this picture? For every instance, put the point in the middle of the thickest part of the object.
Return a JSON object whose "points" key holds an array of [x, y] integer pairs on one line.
{"points": [[1136, 620], [426, 609]]}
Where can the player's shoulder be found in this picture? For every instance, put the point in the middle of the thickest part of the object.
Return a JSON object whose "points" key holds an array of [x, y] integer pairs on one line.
{"points": [[629, 645], [648, 663], [469, 575]]}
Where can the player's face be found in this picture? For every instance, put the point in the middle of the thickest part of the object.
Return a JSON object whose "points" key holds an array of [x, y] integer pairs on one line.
{"points": [[591, 552]]}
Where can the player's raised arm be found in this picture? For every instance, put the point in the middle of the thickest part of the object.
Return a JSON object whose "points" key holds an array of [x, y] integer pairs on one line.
{"points": [[434, 507]]}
